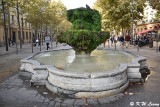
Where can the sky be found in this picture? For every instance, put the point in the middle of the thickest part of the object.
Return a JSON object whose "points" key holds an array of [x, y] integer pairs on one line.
{"points": [[71, 4]]}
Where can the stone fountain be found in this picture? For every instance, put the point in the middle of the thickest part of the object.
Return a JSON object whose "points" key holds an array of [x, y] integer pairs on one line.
{"points": [[83, 84]]}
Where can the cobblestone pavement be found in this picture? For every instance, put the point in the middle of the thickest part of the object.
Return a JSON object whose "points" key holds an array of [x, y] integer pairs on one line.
{"points": [[10, 61], [15, 91]]}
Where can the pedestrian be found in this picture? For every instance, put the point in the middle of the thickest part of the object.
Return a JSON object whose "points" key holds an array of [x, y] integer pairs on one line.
{"points": [[37, 42], [121, 39], [10, 42], [47, 40], [127, 39], [115, 39], [111, 39]]}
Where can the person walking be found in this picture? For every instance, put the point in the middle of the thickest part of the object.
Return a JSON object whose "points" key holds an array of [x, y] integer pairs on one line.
{"points": [[47, 40], [121, 39], [127, 39], [111, 40], [37, 42]]}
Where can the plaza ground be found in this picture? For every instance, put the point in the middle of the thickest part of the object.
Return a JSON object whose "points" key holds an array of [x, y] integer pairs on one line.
{"points": [[15, 91]]}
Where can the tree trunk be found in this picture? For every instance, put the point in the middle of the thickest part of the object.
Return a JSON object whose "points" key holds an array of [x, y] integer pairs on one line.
{"points": [[19, 25], [51, 38], [22, 29], [122, 32], [46, 29], [9, 23], [5, 31]]}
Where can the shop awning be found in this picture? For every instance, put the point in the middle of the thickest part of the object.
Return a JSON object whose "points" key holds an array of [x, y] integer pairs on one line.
{"points": [[144, 31]]}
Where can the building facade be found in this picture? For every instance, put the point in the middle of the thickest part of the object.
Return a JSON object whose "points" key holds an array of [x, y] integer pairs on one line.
{"points": [[13, 32]]}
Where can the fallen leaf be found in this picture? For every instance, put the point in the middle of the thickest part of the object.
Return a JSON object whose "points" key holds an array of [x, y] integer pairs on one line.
{"points": [[59, 68], [37, 86], [139, 83], [131, 93], [86, 104], [126, 93]]}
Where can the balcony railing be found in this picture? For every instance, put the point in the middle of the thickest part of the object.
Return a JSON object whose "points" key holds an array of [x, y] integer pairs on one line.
{"points": [[150, 21]]}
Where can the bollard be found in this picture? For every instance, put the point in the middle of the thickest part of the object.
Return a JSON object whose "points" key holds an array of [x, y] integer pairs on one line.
{"points": [[108, 44], [156, 46]]}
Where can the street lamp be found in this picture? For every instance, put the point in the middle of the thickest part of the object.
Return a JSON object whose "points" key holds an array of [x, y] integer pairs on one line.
{"points": [[132, 3]]}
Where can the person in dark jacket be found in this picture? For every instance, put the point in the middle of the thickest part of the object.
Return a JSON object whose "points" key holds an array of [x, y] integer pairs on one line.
{"points": [[121, 40]]}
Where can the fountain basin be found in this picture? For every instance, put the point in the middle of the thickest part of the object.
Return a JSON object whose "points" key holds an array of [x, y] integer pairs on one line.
{"points": [[84, 84]]}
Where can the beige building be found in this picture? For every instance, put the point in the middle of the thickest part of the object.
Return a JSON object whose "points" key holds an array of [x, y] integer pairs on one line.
{"points": [[26, 31]]}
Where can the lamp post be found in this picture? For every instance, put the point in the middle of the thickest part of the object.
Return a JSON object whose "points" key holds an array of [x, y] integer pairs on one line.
{"points": [[6, 38]]}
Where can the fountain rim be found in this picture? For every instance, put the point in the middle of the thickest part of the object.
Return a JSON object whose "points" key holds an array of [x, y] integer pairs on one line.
{"points": [[120, 69]]}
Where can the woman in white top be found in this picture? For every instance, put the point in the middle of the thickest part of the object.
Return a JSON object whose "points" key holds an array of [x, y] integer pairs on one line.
{"points": [[37, 42]]}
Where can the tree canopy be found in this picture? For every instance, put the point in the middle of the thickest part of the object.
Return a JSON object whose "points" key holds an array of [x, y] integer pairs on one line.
{"points": [[155, 4], [39, 12], [117, 14]]}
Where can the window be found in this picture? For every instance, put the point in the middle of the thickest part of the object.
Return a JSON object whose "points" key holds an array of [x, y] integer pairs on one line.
{"points": [[145, 28], [137, 30], [13, 19], [141, 29], [23, 35], [29, 35], [26, 35], [29, 25]]}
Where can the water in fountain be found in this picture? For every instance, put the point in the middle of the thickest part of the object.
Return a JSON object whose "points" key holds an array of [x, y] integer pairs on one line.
{"points": [[98, 61]]}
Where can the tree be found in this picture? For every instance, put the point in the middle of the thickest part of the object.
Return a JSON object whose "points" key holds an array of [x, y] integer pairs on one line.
{"points": [[44, 13], [155, 4], [117, 14]]}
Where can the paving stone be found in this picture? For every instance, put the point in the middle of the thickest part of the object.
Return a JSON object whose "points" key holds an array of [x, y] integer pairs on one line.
{"points": [[79, 102], [46, 100], [59, 100], [51, 103], [103, 100], [69, 101], [57, 104], [44, 105], [92, 101]]}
